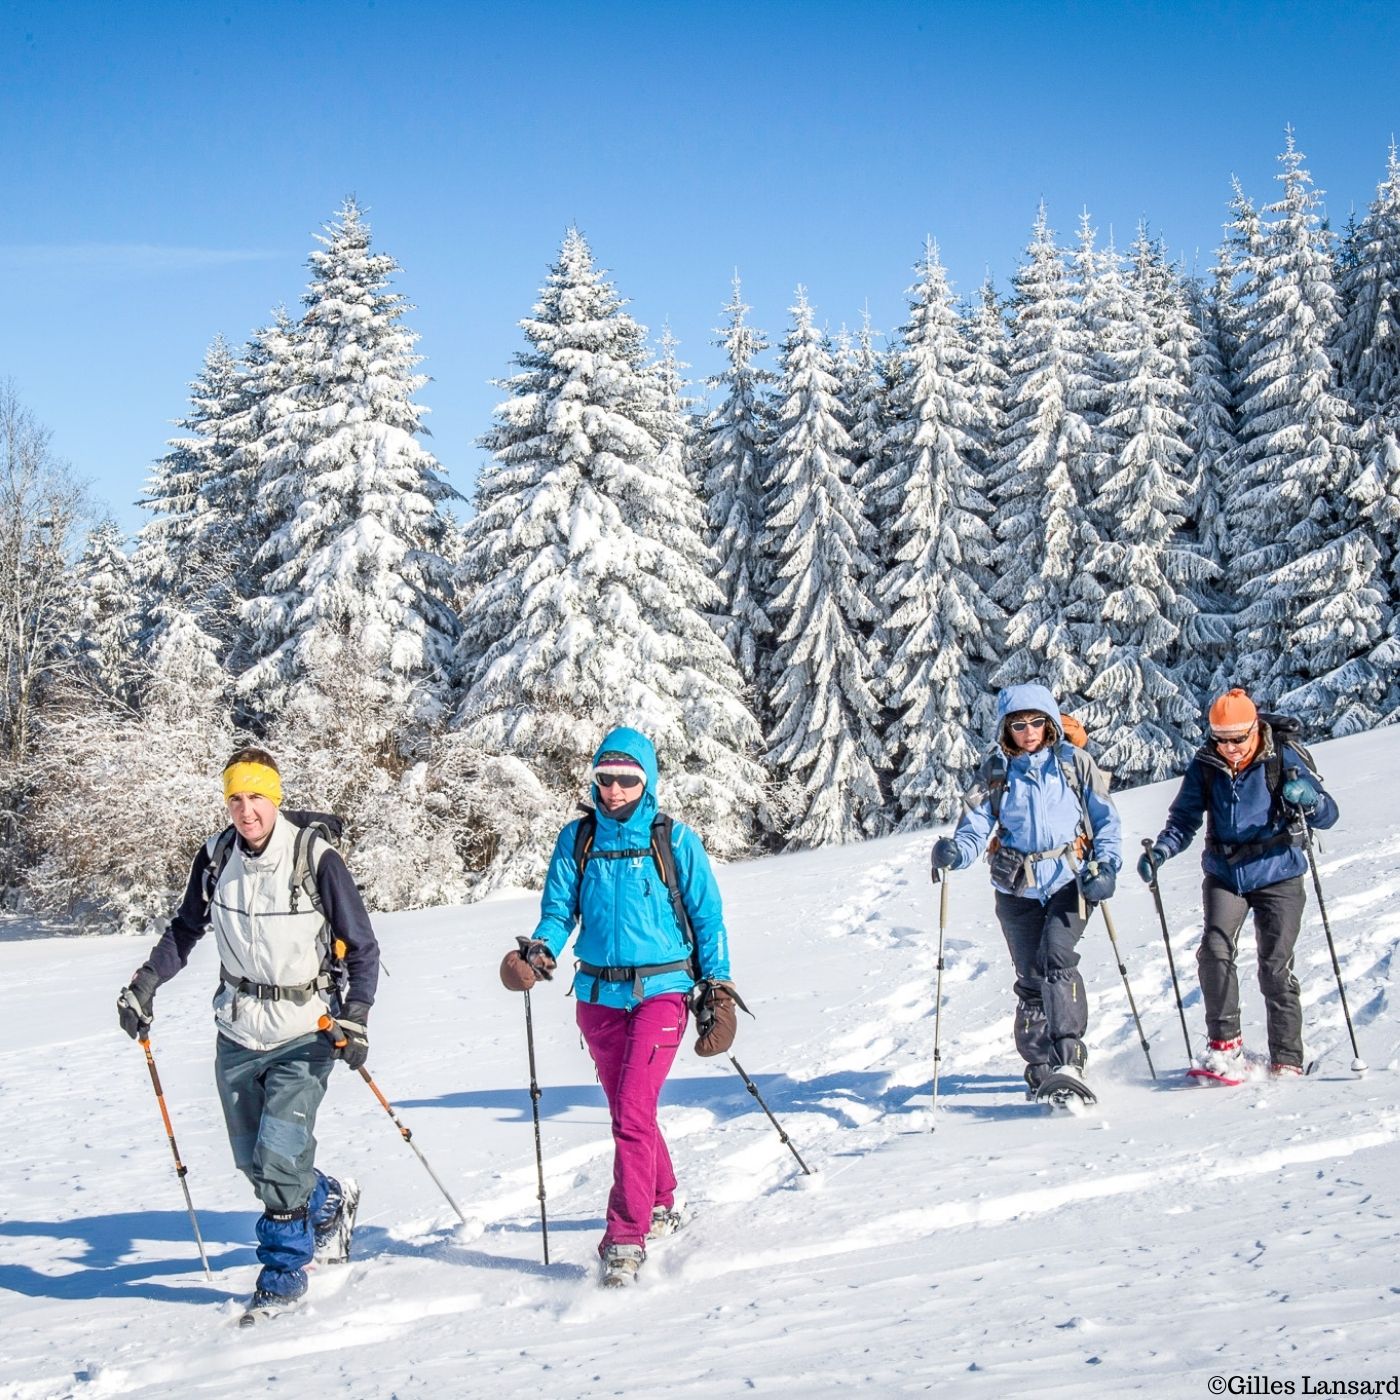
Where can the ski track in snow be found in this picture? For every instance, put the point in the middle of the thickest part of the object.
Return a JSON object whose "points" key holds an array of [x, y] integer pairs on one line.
{"points": [[995, 1249]]}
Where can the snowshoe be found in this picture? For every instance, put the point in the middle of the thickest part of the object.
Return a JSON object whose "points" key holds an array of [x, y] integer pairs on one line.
{"points": [[665, 1220], [621, 1264], [1065, 1088], [333, 1238], [1223, 1062], [264, 1306]]}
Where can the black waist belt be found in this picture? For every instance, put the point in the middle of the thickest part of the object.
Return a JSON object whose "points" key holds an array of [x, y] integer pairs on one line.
{"points": [[266, 991], [633, 975], [1236, 851]]}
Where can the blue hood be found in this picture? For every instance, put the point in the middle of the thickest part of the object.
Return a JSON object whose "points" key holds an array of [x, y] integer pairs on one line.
{"points": [[636, 745], [1027, 697]]}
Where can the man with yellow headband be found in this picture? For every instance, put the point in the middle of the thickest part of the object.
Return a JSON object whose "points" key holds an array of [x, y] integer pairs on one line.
{"points": [[279, 900]]}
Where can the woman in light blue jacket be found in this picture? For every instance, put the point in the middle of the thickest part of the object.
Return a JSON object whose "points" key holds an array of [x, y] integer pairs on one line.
{"points": [[1041, 806], [638, 973]]}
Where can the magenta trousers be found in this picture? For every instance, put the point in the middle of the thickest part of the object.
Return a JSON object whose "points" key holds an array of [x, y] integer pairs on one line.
{"points": [[633, 1051]]}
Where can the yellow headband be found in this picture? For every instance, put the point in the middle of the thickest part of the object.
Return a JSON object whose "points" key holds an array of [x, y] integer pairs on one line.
{"points": [[253, 777]]}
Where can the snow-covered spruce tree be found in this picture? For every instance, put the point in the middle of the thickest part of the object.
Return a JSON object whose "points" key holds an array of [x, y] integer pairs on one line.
{"points": [[1313, 612], [1104, 332], [733, 447], [1368, 349], [824, 746], [182, 561], [1368, 337], [1042, 530], [587, 577], [1206, 638], [240, 516], [1141, 712], [940, 628], [354, 561], [107, 615]]}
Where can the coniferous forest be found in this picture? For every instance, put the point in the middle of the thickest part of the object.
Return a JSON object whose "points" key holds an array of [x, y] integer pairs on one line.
{"points": [[805, 577]]}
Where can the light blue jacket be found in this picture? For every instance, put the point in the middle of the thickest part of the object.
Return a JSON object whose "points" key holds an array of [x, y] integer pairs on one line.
{"points": [[1040, 808], [627, 919]]}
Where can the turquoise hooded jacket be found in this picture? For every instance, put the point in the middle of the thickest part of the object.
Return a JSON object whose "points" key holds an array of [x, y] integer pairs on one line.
{"points": [[627, 919]]}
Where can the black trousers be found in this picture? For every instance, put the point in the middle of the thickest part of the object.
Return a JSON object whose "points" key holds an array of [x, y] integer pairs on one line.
{"points": [[1051, 1014], [1278, 915]]}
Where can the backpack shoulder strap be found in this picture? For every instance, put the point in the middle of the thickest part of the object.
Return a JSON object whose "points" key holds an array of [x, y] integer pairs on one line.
{"points": [[989, 784], [220, 848], [663, 835], [305, 859], [584, 833]]}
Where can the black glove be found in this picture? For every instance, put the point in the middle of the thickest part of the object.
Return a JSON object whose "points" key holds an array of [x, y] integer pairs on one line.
{"points": [[1301, 793], [353, 1044], [136, 1003], [1158, 855], [945, 853], [1097, 882]]}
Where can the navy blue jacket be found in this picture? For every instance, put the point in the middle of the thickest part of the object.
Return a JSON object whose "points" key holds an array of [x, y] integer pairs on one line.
{"points": [[1242, 812]]}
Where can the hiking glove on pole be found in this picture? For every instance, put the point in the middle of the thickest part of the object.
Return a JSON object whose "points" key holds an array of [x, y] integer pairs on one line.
{"points": [[1149, 860], [136, 1003], [1302, 794], [526, 965], [945, 853], [1097, 884], [716, 1019], [354, 1049]]}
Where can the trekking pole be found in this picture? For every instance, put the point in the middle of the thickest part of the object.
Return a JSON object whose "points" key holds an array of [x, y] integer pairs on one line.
{"points": [[753, 1089], [1166, 938], [941, 880], [180, 1168], [1358, 1065], [1127, 986], [535, 1110], [330, 1027]]}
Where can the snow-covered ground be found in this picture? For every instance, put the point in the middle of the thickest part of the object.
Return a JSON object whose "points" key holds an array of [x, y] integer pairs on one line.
{"points": [[1176, 1235]]}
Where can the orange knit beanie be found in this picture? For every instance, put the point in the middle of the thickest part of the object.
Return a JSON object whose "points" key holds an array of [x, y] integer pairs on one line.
{"points": [[1233, 710]]}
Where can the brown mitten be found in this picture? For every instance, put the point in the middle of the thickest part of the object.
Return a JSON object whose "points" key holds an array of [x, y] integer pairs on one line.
{"points": [[716, 1018], [526, 965]]}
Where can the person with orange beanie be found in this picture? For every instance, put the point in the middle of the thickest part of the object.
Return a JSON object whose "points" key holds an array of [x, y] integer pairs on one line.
{"points": [[1254, 790]]}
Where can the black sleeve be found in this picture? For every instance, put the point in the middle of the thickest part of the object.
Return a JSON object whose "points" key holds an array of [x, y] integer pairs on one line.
{"points": [[349, 921], [190, 924]]}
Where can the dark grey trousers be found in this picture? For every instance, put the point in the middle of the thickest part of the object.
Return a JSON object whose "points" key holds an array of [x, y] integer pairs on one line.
{"points": [[1051, 1015], [270, 1098], [1278, 915]]}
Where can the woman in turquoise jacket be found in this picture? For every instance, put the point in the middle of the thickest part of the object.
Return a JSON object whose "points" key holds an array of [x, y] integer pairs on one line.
{"points": [[637, 973], [1056, 853]]}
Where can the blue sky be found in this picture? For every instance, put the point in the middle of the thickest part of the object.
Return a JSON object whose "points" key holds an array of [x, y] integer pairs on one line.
{"points": [[164, 167]]}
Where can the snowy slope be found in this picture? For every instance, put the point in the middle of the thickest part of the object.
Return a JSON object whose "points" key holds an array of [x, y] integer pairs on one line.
{"points": [[1178, 1234]]}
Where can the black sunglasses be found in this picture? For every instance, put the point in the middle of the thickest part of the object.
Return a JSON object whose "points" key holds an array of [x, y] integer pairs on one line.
{"points": [[1019, 726], [606, 780]]}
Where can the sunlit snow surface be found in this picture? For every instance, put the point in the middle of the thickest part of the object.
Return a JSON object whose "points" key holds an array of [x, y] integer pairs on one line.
{"points": [[1176, 1234]]}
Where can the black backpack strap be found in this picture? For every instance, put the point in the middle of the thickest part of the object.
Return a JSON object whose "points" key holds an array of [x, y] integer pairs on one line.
{"points": [[218, 859], [584, 833], [663, 852]]}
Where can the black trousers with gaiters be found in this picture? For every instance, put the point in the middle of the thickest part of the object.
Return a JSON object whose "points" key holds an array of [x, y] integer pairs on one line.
{"points": [[1278, 915], [1043, 939]]}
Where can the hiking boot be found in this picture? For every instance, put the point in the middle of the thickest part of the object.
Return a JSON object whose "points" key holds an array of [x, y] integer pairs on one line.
{"points": [[1036, 1075], [665, 1220], [333, 1237], [1225, 1059], [1282, 1071], [621, 1263]]}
